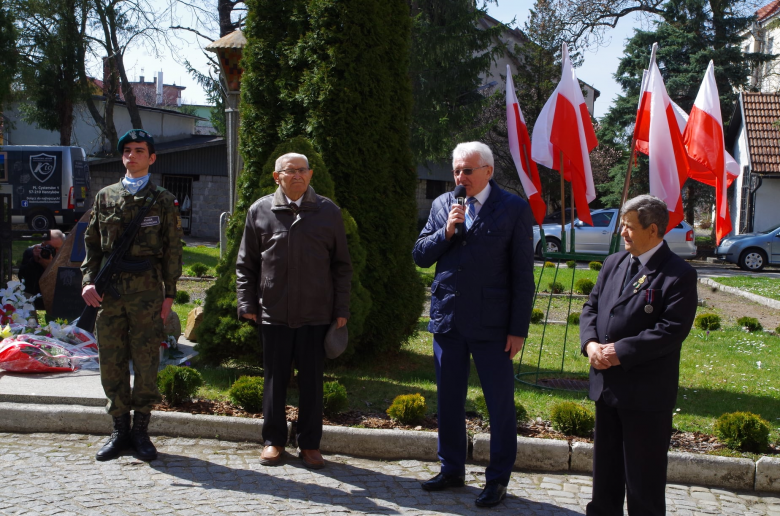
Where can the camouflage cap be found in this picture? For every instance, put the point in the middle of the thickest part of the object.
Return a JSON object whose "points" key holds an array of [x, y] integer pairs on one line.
{"points": [[133, 135]]}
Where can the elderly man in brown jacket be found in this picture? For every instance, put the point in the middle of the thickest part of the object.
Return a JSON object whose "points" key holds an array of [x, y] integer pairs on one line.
{"points": [[293, 279]]}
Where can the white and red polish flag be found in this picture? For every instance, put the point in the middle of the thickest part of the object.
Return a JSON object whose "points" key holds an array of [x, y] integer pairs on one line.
{"points": [[703, 138], [520, 148], [658, 135], [564, 126]]}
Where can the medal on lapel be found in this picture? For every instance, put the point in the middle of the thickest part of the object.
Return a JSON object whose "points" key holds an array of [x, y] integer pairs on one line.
{"points": [[648, 301], [639, 283]]}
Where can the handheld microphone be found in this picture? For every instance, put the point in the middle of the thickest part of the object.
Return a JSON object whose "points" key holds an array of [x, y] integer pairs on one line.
{"points": [[460, 198]]}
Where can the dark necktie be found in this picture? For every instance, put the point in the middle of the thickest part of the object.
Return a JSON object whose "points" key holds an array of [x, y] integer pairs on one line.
{"points": [[471, 211], [633, 269], [294, 207]]}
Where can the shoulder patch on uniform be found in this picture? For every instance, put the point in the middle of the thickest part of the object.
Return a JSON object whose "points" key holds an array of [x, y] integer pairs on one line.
{"points": [[150, 221]]}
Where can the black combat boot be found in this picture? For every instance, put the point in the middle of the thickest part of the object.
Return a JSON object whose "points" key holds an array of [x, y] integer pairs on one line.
{"points": [[119, 441], [144, 448]]}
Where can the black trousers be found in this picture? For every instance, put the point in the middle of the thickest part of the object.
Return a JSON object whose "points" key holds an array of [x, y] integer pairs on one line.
{"points": [[281, 346], [629, 461]]}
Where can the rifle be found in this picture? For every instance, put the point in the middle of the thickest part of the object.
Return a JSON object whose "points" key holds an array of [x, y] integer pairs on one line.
{"points": [[115, 263]]}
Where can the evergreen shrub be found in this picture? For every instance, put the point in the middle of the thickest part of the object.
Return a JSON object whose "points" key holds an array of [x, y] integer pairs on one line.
{"points": [[334, 398], [198, 269], [574, 318], [182, 297], [549, 265], [751, 324], [221, 336], [595, 266], [707, 322], [247, 392], [537, 316], [555, 287], [572, 419], [584, 286], [743, 431], [777, 330], [571, 264], [480, 406], [408, 408], [178, 383]]}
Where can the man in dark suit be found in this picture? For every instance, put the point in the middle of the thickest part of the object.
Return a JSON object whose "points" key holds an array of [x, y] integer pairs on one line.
{"points": [[632, 329], [481, 301]]}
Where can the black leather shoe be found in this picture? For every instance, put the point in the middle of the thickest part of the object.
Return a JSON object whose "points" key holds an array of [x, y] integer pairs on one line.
{"points": [[442, 481], [492, 495], [119, 440], [139, 435]]}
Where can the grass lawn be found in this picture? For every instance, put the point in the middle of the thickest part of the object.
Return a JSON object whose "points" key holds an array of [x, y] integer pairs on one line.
{"points": [[767, 287], [208, 256]]}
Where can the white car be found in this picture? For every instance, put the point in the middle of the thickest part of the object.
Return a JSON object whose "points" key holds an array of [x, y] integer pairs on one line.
{"points": [[595, 239]]}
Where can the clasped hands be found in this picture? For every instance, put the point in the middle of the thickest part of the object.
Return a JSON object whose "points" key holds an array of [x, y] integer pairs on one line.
{"points": [[602, 356]]}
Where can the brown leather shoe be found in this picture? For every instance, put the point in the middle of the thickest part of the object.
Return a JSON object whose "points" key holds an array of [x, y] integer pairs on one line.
{"points": [[272, 455], [312, 459]]}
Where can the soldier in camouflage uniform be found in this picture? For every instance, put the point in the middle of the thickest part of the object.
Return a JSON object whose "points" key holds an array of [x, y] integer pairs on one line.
{"points": [[131, 327]]}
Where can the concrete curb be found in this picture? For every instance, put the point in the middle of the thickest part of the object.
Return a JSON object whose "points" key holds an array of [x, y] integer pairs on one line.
{"points": [[532, 454], [772, 303], [381, 444]]}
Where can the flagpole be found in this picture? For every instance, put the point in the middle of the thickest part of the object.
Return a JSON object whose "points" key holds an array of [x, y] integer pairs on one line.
{"points": [[563, 207], [571, 247]]}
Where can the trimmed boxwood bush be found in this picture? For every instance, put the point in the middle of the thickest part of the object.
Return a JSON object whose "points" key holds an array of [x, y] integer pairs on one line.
{"points": [[549, 265], [777, 330], [707, 322], [584, 286], [480, 406], [408, 408], [537, 316], [178, 383], [221, 336], [571, 264], [334, 398], [247, 392], [572, 419], [574, 318], [750, 324], [198, 269], [595, 266], [555, 287], [182, 297], [743, 431]]}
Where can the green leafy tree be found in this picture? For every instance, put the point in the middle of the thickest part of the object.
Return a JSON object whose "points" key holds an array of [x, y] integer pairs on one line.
{"points": [[336, 71], [449, 53], [690, 33], [9, 57]]}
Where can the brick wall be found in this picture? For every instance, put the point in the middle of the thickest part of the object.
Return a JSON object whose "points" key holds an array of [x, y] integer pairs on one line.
{"points": [[209, 200]]}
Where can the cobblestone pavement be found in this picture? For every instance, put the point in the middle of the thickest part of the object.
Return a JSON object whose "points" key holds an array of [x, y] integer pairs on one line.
{"points": [[57, 474]]}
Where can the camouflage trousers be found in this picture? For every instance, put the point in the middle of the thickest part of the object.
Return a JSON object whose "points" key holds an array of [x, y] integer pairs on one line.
{"points": [[130, 327]]}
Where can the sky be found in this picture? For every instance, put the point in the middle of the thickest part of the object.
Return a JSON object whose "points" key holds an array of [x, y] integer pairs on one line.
{"points": [[597, 69]]}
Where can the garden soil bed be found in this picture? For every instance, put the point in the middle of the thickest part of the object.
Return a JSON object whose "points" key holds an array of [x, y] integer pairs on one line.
{"points": [[692, 442]]}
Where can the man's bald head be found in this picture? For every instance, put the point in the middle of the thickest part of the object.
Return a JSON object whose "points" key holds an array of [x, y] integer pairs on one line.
{"points": [[57, 238]]}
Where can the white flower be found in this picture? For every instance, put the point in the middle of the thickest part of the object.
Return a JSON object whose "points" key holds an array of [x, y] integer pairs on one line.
{"points": [[758, 364]]}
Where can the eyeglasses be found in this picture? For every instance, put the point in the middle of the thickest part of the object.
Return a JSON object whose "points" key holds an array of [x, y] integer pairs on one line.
{"points": [[466, 171], [293, 171]]}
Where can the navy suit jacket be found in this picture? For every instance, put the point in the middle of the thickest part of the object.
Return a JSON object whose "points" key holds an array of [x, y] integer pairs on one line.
{"points": [[484, 284], [647, 344]]}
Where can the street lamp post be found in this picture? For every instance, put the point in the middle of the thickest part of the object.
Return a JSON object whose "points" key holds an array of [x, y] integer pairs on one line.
{"points": [[229, 49]]}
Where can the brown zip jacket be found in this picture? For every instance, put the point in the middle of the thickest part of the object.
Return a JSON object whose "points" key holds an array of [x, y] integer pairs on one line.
{"points": [[294, 270]]}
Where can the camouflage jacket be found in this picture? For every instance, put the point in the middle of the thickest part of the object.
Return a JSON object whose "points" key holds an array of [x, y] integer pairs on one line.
{"points": [[158, 239]]}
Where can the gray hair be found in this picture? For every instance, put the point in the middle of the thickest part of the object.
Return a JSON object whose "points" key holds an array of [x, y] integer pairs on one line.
{"points": [[56, 233], [464, 150], [650, 210], [289, 155]]}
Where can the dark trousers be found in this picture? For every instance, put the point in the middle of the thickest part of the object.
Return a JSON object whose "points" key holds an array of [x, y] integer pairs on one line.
{"points": [[281, 346], [452, 356], [629, 461]]}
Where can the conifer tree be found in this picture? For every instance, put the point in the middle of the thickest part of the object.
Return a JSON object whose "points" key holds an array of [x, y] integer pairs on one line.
{"points": [[8, 54]]}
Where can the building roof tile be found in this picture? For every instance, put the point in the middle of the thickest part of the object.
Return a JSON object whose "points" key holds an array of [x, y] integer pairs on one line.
{"points": [[762, 112], [768, 10]]}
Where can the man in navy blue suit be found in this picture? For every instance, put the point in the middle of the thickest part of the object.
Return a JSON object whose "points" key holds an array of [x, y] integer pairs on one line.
{"points": [[632, 329], [481, 301]]}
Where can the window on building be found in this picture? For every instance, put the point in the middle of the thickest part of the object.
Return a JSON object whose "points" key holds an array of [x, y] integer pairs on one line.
{"points": [[433, 189]]}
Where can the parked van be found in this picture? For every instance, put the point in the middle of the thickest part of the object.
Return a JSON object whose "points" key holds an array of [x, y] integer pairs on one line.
{"points": [[49, 185]]}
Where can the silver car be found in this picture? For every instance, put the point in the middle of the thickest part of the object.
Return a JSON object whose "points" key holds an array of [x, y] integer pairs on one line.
{"points": [[751, 251], [595, 239]]}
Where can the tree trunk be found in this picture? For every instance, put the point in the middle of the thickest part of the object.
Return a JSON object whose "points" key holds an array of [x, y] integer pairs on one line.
{"points": [[127, 88], [691, 204], [225, 9]]}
